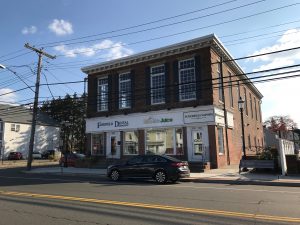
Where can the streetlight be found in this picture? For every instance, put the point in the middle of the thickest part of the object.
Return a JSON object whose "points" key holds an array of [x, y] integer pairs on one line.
{"points": [[2, 67], [241, 104]]}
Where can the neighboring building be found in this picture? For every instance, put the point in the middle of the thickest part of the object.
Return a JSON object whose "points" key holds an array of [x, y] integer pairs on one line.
{"points": [[169, 101], [272, 140], [15, 131]]}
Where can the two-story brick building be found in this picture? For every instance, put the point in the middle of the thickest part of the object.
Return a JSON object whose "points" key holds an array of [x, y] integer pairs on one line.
{"points": [[172, 100]]}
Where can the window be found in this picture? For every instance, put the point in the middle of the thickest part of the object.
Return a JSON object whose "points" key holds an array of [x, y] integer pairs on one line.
{"points": [[249, 142], [1, 126], [131, 143], [157, 84], [187, 80], [15, 127], [220, 85], [98, 145], [102, 94], [164, 141], [230, 89], [124, 90], [246, 102], [251, 104], [220, 140], [255, 108], [259, 108]]}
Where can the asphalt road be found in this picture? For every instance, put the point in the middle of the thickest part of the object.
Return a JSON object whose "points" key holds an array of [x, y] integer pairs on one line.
{"points": [[48, 199]]}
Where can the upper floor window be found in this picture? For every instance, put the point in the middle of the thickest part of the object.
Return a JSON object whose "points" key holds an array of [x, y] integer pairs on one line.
{"points": [[102, 94], [124, 90], [246, 101], [255, 109], [157, 84], [251, 104], [220, 83], [187, 80], [15, 127], [230, 89]]}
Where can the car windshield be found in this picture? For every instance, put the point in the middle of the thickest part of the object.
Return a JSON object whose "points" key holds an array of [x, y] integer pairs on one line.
{"points": [[80, 156]]}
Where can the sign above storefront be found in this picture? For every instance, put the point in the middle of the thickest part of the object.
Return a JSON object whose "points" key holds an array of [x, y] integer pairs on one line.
{"points": [[207, 115], [202, 116]]}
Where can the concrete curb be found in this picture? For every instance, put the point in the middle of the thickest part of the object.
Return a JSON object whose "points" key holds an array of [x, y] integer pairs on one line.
{"points": [[233, 181]]}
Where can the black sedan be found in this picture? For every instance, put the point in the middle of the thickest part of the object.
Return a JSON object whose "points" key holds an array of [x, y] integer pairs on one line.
{"points": [[162, 168]]}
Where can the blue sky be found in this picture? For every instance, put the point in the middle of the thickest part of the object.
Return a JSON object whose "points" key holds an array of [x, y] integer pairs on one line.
{"points": [[41, 23]]}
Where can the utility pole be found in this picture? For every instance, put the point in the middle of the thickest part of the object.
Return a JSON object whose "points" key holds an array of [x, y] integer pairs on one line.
{"points": [[40, 53]]}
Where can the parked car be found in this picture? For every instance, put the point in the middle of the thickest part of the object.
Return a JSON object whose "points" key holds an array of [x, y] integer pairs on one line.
{"points": [[15, 156], [70, 159], [36, 155], [161, 168], [48, 153]]}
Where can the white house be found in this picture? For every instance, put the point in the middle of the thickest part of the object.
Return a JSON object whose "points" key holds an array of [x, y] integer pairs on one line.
{"points": [[15, 128]]}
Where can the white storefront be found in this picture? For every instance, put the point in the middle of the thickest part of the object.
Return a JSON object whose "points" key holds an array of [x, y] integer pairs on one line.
{"points": [[172, 122]]}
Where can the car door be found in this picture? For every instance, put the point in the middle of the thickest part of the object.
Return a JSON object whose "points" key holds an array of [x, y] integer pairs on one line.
{"points": [[133, 167], [148, 165]]}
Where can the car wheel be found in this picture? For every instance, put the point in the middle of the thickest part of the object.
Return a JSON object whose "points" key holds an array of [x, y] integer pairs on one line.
{"points": [[115, 175], [161, 177]]}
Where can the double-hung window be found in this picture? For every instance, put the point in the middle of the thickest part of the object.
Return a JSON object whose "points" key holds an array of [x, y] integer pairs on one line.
{"points": [[230, 90], [220, 140], [124, 90], [103, 94], [157, 85], [187, 80], [220, 82]]}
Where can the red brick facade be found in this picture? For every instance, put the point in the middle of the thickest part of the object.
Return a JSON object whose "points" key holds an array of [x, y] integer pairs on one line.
{"points": [[207, 83]]}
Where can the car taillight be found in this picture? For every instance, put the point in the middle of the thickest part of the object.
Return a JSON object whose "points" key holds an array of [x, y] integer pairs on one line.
{"points": [[178, 164]]}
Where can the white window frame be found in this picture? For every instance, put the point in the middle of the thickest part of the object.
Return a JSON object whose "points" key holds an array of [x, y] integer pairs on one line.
{"points": [[179, 79], [102, 107], [124, 134], [173, 141], [221, 138], [220, 87], [125, 102], [162, 88], [15, 127]]}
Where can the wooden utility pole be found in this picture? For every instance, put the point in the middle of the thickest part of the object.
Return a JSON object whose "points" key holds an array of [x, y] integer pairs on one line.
{"points": [[40, 53]]}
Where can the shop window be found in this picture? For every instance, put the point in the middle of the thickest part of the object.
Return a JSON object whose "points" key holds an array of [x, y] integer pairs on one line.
{"points": [[98, 145], [162, 141], [131, 143], [220, 140], [15, 127]]}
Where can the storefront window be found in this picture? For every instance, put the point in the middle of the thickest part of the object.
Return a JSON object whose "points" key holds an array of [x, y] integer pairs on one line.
{"points": [[131, 143], [164, 141], [98, 145]]}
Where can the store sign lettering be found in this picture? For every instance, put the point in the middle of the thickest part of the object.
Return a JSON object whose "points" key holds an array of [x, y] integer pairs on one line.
{"points": [[151, 120], [191, 117], [121, 123], [115, 124]]}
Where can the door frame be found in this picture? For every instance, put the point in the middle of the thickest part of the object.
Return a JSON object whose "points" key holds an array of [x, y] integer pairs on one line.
{"points": [[117, 135], [190, 145]]}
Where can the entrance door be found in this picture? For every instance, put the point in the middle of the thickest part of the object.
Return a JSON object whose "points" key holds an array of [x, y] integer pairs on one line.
{"points": [[113, 145], [197, 147]]}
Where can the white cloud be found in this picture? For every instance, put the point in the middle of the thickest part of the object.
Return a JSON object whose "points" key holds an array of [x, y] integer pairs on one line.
{"points": [[61, 27], [280, 97], [12, 97], [107, 49], [29, 30]]}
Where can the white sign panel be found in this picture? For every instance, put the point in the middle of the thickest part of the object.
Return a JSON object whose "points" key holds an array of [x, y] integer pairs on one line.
{"points": [[202, 116]]}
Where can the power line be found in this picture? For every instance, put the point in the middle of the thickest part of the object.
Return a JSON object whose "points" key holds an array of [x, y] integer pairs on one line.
{"points": [[139, 25], [174, 23]]}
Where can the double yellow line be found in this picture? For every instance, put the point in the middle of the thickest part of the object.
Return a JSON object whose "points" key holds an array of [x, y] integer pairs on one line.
{"points": [[153, 206]]}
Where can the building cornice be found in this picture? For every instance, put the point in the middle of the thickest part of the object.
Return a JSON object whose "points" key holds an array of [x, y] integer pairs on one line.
{"points": [[182, 47]]}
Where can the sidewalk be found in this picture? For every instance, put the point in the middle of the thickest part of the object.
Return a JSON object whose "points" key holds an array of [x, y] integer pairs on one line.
{"points": [[229, 175]]}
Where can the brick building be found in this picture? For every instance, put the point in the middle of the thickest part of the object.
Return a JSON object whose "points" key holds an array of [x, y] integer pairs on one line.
{"points": [[172, 100]]}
